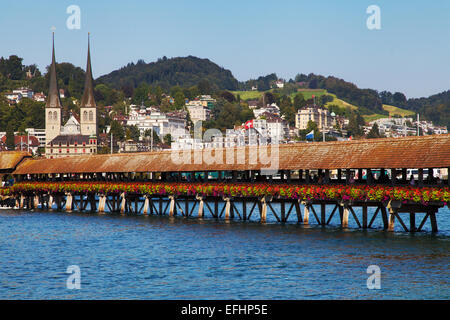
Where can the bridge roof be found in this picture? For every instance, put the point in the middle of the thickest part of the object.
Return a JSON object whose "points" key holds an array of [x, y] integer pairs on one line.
{"points": [[10, 159], [408, 152]]}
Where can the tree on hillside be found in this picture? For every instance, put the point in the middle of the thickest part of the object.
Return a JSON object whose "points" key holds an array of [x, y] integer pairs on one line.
{"points": [[227, 95], [10, 144], [117, 130], [399, 99], [299, 101], [148, 135], [287, 109], [374, 132], [168, 139], [133, 133], [179, 100], [12, 67], [311, 126], [204, 87], [354, 125]]}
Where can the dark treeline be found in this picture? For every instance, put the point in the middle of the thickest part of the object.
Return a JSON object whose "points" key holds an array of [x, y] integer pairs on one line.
{"points": [[180, 71], [367, 100]]}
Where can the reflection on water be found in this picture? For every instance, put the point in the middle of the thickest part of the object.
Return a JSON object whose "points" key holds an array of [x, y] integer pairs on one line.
{"points": [[177, 258]]}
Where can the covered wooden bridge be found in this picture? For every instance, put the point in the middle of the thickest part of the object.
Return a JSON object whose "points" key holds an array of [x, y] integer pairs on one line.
{"points": [[422, 162]]}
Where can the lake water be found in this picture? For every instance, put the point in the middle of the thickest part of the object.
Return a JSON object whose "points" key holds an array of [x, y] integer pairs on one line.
{"points": [[161, 257]]}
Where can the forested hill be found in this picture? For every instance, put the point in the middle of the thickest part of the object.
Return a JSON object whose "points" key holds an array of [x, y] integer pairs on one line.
{"points": [[180, 71], [435, 108]]}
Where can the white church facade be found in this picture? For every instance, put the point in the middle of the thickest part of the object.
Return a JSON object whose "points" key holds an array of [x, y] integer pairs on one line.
{"points": [[77, 136]]}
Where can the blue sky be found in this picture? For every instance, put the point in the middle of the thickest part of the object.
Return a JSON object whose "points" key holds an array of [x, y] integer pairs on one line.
{"points": [[251, 38]]}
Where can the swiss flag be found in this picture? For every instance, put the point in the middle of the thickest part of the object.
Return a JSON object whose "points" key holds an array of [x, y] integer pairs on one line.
{"points": [[248, 124], [351, 138]]}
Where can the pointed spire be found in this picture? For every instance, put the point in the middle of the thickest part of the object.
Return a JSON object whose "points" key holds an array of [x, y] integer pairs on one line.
{"points": [[88, 94], [53, 100]]}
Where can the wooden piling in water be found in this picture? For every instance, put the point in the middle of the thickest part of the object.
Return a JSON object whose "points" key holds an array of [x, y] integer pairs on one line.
{"points": [[344, 220]]}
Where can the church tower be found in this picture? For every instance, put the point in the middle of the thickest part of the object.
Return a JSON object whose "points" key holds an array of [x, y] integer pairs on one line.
{"points": [[88, 108], [53, 104]]}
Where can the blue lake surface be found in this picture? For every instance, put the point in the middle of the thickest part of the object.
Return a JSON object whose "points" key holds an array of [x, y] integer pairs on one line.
{"points": [[161, 257]]}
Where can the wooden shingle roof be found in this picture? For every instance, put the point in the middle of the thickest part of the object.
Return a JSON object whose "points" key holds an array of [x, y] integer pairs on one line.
{"points": [[409, 152], [10, 159]]}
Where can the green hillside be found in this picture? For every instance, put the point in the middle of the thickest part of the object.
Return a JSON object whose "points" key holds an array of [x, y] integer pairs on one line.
{"points": [[397, 111]]}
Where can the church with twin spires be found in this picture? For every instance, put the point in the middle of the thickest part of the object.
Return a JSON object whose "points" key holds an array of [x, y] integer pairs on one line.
{"points": [[79, 135]]}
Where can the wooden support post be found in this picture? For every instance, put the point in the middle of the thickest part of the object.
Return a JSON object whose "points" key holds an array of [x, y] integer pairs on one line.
{"points": [[92, 202], [308, 178], [227, 207], [434, 227], [360, 175], [201, 214], [231, 209], [288, 176], [344, 221], [50, 202], [327, 176], [69, 199], [234, 179], [391, 223], [101, 203], [394, 176], [420, 177], [283, 211], [364, 217], [322, 214], [22, 200], [412, 222], [384, 217], [122, 205], [59, 202], [298, 211], [448, 176], [306, 214], [339, 175], [36, 201], [172, 206], [244, 209], [300, 175], [347, 175], [369, 176], [263, 209], [404, 177]]}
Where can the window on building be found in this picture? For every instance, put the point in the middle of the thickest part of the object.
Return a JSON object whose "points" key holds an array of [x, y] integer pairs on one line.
{"points": [[91, 116], [85, 115]]}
